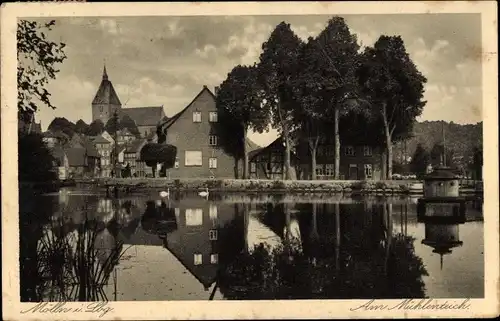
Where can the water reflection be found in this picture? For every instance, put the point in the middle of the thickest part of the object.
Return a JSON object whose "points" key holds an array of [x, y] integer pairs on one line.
{"points": [[86, 247]]}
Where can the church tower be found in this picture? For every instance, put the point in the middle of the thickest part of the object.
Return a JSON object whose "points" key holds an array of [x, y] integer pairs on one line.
{"points": [[106, 100]]}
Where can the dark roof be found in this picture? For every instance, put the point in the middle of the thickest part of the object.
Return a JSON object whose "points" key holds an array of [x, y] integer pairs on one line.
{"points": [[166, 124], [145, 116], [106, 94], [76, 156], [135, 145], [101, 140], [254, 152]]}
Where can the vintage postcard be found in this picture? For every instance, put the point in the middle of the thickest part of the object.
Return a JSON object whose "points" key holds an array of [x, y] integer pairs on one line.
{"points": [[249, 160]]}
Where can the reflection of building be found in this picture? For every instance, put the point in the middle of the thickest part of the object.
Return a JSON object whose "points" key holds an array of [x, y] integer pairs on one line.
{"points": [[196, 241], [196, 234], [442, 238], [441, 210]]}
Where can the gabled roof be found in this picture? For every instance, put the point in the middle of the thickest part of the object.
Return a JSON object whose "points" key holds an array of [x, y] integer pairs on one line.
{"points": [[101, 140], [106, 94], [76, 156], [166, 124], [145, 116]]}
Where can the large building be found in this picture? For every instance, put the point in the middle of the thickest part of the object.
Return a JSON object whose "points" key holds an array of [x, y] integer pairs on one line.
{"points": [[193, 131], [106, 102]]}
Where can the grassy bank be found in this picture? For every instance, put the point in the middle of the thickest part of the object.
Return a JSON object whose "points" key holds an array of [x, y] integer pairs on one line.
{"points": [[254, 185]]}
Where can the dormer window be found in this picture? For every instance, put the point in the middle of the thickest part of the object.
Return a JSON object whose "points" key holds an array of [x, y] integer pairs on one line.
{"points": [[367, 151], [212, 117], [196, 117]]}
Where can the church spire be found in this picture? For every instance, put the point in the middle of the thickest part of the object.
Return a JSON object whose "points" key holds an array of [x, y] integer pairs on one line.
{"points": [[104, 73]]}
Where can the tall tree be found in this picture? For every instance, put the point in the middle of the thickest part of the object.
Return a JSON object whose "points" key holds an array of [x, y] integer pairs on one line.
{"points": [[113, 124], [278, 68], [129, 123], [420, 161], [61, 124], [240, 99], [35, 160], [394, 86], [81, 127], [328, 83], [95, 128], [37, 58]]}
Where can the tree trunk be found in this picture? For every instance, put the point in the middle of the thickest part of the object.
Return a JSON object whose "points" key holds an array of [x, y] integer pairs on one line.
{"points": [[389, 154], [336, 173], [388, 141], [287, 156], [245, 154], [236, 167], [313, 147], [153, 168]]}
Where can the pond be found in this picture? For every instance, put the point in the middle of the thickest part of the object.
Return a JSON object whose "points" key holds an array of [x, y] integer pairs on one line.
{"points": [[78, 245]]}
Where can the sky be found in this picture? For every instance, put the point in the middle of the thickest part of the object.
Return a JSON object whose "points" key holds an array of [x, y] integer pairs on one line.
{"points": [[155, 61]]}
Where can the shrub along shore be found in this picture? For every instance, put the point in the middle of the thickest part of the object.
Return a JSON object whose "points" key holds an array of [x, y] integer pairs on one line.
{"points": [[265, 186]]}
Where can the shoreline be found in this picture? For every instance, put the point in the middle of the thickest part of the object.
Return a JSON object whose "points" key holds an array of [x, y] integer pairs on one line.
{"points": [[256, 186]]}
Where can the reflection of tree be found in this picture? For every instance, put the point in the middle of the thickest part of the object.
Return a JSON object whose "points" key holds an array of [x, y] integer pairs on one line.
{"points": [[367, 261], [64, 264]]}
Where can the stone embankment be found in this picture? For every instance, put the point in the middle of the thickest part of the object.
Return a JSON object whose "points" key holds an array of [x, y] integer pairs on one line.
{"points": [[267, 186]]}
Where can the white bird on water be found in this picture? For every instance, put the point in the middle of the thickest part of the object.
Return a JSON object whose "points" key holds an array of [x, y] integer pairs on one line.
{"points": [[165, 194], [204, 193]]}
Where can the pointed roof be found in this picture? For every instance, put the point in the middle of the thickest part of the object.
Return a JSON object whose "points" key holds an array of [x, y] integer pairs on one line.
{"points": [[169, 121], [101, 140], [106, 93]]}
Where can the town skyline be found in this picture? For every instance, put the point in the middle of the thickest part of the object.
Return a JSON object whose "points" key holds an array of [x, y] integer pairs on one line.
{"points": [[195, 56]]}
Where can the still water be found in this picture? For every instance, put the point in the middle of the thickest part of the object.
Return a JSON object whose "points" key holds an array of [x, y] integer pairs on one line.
{"points": [[82, 246]]}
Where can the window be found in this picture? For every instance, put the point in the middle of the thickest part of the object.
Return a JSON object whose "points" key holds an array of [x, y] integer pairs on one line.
{"points": [[329, 169], [367, 151], [320, 169], [212, 162], [212, 235], [253, 167], [193, 158], [212, 140], [350, 151], [198, 259], [368, 171], [194, 217], [196, 117], [214, 258], [176, 164], [212, 117], [319, 152]]}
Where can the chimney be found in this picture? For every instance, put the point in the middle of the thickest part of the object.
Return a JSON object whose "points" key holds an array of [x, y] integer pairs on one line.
{"points": [[216, 90]]}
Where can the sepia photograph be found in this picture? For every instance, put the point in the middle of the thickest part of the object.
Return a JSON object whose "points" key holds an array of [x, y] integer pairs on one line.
{"points": [[280, 157]]}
